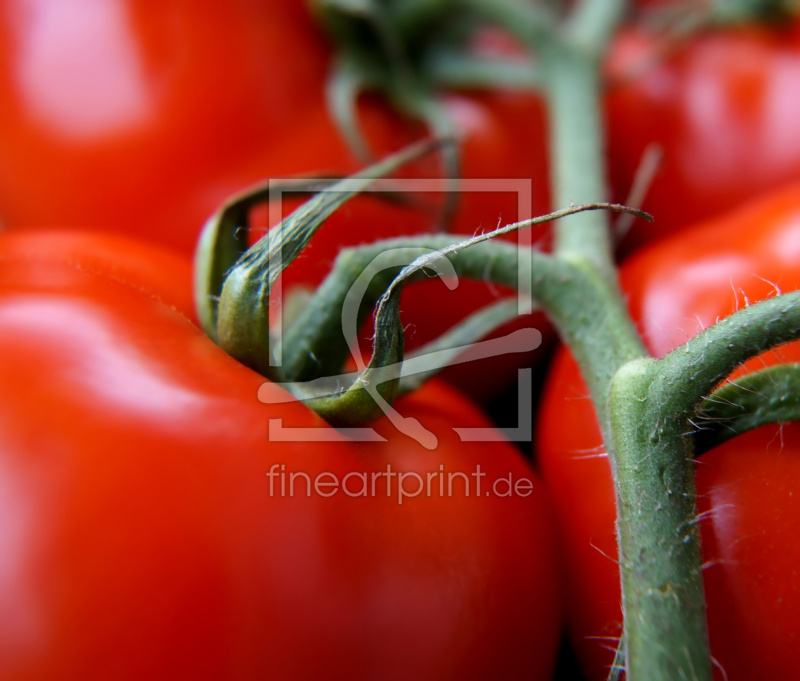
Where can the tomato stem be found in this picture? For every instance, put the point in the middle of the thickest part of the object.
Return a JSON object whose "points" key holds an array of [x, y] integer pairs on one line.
{"points": [[448, 70], [591, 24], [690, 372], [664, 626], [651, 406], [769, 396], [664, 631], [577, 154], [316, 345]]}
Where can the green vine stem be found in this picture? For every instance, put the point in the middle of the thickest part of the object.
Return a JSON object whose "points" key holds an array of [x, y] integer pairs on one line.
{"points": [[591, 24], [315, 345], [447, 69], [324, 333], [645, 406], [652, 403], [765, 397], [686, 375], [571, 75], [664, 624], [664, 630]]}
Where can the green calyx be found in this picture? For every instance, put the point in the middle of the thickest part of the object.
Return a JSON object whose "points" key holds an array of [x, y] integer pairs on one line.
{"points": [[234, 286], [412, 50], [233, 283]]}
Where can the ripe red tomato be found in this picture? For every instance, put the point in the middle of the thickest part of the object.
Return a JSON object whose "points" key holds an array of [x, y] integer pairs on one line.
{"points": [[125, 117], [721, 107], [142, 536], [129, 117], [748, 487]]}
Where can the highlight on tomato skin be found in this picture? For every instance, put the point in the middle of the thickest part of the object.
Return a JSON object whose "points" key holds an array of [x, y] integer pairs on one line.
{"points": [[119, 116], [747, 502], [143, 538], [122, 117]]}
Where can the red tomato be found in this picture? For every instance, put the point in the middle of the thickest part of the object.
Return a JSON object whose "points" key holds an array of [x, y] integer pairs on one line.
{"points": [[142, 536], [722, 107], [748, 487], [117, 115], [121, 116], [131, 117]]}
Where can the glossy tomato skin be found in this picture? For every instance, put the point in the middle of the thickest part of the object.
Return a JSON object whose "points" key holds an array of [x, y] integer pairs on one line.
{"points": [[720, 105], [143, 538], [122, 117], [125, 117], [128, 117], [748, 487]]}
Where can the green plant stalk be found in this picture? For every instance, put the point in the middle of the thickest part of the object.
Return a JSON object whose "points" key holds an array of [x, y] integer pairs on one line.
{"points": [[664, 626], [699, 365], [769, 396], [643, 405], [591, 24], [651, 404], [314, 346], [577, 150]]}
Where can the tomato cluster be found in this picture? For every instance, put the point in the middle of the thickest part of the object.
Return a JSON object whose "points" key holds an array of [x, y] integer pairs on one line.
{"points": [[144, 121], [719, 109], [168, 513], [749, 509], [160, 520]]}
